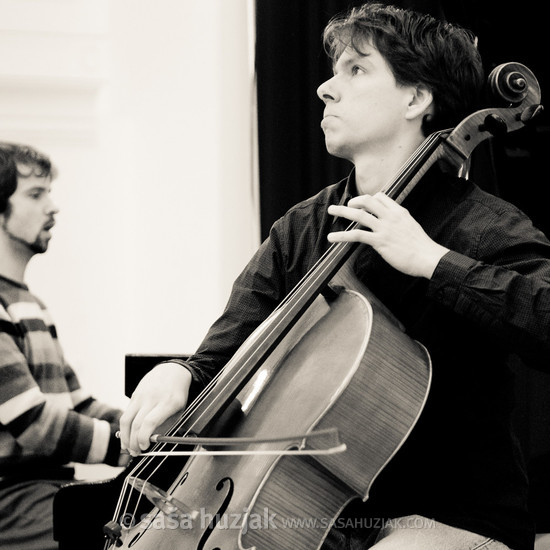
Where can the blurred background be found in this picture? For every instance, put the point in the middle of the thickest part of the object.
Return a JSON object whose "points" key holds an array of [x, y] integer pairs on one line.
{"points": [[147, 110]]}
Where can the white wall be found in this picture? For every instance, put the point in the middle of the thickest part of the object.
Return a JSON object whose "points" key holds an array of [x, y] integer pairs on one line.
{"points": [[147, 110]]}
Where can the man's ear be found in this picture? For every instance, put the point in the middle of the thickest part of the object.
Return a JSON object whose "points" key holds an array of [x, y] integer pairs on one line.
{"points": [[421, 102]]}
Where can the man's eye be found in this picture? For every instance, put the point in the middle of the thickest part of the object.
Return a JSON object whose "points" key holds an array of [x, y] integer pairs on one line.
{"points": [[356, 69]]}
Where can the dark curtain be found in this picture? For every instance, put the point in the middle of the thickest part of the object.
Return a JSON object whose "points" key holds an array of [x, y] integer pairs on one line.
{"points": [[290, 65], [293, 162]]}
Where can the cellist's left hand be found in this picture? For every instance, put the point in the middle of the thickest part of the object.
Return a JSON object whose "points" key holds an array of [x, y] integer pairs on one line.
{"points": [[394, 234]]}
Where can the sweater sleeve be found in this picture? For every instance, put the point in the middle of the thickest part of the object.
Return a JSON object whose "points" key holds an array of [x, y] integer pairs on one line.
{"points": [[43, 411]]}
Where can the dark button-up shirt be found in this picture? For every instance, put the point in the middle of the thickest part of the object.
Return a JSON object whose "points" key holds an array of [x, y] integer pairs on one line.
{"points": [[488, 297]]}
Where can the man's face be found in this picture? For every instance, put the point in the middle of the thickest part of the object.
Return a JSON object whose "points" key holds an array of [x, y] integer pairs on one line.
{"points": [[30, 214], [365, 106]]}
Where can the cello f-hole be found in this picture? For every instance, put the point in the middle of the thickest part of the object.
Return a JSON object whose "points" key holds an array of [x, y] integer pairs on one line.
{"points": [[218, 515]]}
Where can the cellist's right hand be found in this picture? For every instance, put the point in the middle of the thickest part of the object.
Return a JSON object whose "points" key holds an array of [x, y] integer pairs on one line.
{"points": [[161, 393]]}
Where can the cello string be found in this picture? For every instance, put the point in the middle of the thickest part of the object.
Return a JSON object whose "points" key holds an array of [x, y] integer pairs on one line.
{"points": [[290, 303], [148, 460], [337, 249], [426, 145], [320, 268], [137, 471], [144, 463], [324, 264]]}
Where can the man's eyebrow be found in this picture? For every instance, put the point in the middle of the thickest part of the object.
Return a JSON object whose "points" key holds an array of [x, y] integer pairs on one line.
{"points": [[353, 58], [37, 187]]}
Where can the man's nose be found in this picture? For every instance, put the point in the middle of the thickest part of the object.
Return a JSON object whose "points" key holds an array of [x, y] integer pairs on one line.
{"points": [[326, 91], [51, 207]]}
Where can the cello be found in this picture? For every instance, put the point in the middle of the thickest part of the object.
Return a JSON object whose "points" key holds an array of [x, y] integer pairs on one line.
{"points": [[291, 449]]}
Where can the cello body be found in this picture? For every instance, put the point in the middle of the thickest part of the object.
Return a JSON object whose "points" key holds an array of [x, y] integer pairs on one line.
{"points": [[371, 383]]}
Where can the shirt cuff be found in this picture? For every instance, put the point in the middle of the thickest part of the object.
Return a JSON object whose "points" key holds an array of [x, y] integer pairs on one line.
{"points": [[449, 276], [100, 441]]}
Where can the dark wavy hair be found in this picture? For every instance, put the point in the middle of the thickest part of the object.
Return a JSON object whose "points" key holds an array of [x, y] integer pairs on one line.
{"points": [[20, 161], [419, 50]]}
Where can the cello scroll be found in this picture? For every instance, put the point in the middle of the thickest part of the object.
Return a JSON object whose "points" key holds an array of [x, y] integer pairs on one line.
{"points": [[513, 83]]}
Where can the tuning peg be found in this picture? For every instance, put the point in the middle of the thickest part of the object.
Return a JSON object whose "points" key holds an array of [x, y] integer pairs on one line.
{"points": [[495, 125], [530, 113]]}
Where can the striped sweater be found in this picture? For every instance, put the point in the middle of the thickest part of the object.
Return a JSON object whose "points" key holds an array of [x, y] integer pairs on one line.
{"points": [[46, 419]]}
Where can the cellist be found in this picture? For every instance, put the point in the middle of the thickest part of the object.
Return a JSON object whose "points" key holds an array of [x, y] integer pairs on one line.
{"points": [[465, 272]]}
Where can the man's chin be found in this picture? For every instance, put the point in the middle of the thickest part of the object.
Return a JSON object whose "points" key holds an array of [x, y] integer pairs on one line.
{"points": [[39, 247], [336, 150]]}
